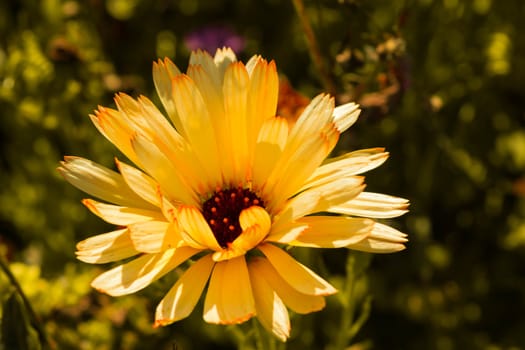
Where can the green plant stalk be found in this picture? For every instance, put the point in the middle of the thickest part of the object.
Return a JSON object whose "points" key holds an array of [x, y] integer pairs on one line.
{"points": [[35, 320], [259, 344], [350, 324], [313, 47], [347, 314]]}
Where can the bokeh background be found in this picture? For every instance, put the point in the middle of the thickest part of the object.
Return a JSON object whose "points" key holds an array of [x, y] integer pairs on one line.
{"points": [[441, 83]]}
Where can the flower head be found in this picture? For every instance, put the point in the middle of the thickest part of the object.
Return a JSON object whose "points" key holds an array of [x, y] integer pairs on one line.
{"points": [[226, 185]]}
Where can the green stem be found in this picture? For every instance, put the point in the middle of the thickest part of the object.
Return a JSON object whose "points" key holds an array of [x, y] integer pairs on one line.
{"points": [[259, 344], [347, 315], [35, 320], [313, 47]]}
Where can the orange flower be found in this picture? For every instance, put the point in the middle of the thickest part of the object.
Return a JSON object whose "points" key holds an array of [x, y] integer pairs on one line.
{"points": [[226, 185]]}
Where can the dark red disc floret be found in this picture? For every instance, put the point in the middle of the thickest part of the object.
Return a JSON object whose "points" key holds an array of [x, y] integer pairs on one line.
{"points": [[222, 211]]}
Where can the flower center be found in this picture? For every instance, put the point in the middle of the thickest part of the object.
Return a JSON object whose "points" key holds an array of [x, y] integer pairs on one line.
{"points": [[222, 211]]}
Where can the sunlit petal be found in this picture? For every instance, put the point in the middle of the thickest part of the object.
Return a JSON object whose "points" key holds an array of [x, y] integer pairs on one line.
{"points": [[106, 247], [346, 115], [229, 299], [140, 272], [296, 274], [271, 310], [196, 229], [373, 205], [184, 295], [118, 215], [140, 183], [296, 301], [99, 182], [332, 231], [155, 236]]}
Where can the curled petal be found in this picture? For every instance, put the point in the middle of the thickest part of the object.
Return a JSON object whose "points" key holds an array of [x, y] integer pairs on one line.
{"points": [[195, 229], [255, 223]]}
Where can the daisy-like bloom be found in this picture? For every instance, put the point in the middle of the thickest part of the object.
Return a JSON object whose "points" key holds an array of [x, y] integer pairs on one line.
{"points": [[223, 189]]}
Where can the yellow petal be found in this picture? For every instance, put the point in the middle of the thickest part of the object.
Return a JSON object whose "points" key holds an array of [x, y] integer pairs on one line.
{"points": [[184, 295], [382, 239], [173, 146], [286, 232], [205, 61], [255, 223], [154, 236], [162, 170], [131, 113], [271, 311], [268, 149], [195, 229], [118, 215], [106, 247], [262, 96], [332, 231], [99, 182], [296, 301], [296, 274], [346, 115], [318, 199], [229, 299], [197, 126], [347, 165], [261, 101], [235, 92], [250, 65], [296, 166], [213, 98], [388, 233], [113, 125], [297, 207], [163, 73], [372, 245], [316, 116], [139, 273], [254, 215], [373, 205], [140, 183], [335, 193], [223, 58]]}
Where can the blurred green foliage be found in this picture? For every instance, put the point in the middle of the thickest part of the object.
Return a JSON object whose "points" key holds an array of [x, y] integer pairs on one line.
{"points": [[441, 83]]}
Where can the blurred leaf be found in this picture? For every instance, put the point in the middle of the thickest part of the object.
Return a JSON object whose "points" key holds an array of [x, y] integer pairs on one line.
{"points": [[17, 332]]}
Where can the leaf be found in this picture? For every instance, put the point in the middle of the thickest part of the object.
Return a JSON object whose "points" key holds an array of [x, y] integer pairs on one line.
{"points": [[17, 332]]}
